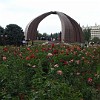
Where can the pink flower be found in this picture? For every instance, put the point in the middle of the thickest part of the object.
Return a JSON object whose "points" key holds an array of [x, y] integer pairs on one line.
{"points": [[20, 55], [84, 50], [34, 66], [77, 73], [56, 65], [71, 61], [15, 53], [4, 58], [28, 49], [36, 51], [92, 57], [78, 62], [75, 53], [27, 58], [87, 53], [90, 80], [78, 48], [83, 58], [50, 55], [59, 72], [67, 51]]}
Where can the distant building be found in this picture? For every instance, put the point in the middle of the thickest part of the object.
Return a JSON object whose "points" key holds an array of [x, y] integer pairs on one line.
{"points": [[95, 30]]}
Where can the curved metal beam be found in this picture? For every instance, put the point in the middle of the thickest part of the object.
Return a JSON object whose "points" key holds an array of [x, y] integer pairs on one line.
{"points": [[71, 31]]}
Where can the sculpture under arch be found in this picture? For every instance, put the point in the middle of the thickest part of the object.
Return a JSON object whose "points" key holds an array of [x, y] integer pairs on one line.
{"points": [[71, 30]]}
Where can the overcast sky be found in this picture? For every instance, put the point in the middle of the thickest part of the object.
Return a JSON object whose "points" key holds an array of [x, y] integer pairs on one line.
{"points": [[21, 12]]}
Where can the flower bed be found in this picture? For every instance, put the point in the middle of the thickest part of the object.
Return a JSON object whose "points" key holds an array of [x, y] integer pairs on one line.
{"points": [[50, 72]]}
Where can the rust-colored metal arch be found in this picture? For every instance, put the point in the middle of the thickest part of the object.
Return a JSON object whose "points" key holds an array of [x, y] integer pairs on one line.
{"points": [[71, 30]]}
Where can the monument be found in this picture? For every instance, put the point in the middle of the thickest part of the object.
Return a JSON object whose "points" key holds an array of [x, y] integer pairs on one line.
{"points": [[71, 31]]}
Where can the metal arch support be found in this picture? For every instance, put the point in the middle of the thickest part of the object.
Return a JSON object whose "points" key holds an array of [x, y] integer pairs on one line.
{"points": [[71, 31]]}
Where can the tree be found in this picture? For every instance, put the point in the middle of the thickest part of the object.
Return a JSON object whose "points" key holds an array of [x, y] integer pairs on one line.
{"points": [[87, 34], [15, 34], [55, 36], [39, 35], [45, 35], [1, 35], [1, 30], [96, 40]]}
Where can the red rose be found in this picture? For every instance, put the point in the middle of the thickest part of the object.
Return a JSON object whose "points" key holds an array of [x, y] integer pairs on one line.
{"points": [[52, 45], [90, 80], [32, 56], [5, 49], [27, 58]]}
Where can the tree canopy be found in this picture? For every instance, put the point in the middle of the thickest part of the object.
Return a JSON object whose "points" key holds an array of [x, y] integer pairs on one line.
{"points": [[87, 34], [1, 30], [15, 34], [1, 35], [96, 40]]}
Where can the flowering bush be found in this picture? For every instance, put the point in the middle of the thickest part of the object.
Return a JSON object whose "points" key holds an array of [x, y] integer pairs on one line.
{"points": [[50, 72]]}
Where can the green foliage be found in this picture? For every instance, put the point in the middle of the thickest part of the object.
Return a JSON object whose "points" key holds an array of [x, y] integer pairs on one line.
{"points": [[1, 30], [87, 34], [1, 35], [49, 72], [15, 34], [47, 36], [96, 40]]}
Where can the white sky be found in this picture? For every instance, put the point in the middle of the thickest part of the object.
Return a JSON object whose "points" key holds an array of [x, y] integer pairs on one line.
{"points": [[21, 12]]}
